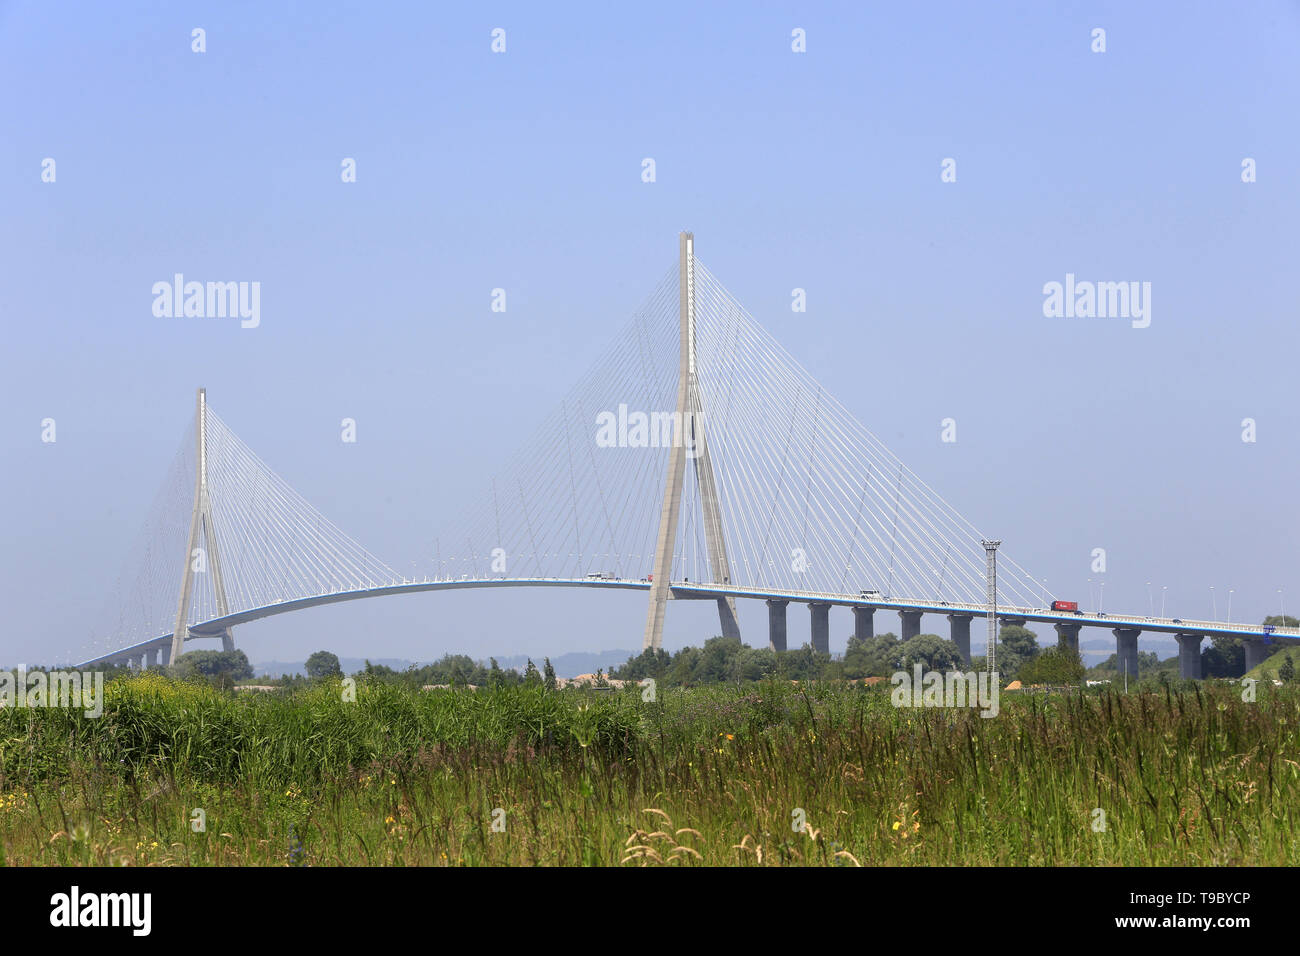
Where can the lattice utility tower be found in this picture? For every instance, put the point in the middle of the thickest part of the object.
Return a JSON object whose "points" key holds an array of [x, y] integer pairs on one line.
{"points": [[689, 437]]}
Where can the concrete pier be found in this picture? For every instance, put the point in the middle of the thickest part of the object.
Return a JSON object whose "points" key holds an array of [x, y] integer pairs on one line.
{"points": [[1256, 651], [821, 628], [1067, 635], [1189, 655], [959, 626], [864, 622], [1126, 650], [776, 624], [911, 625]]}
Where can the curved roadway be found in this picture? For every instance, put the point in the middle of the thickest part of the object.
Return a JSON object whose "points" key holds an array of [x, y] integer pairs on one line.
{"points": [[684, 590]]}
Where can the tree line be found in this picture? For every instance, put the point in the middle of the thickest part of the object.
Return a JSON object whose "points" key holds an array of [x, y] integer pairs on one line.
{"points": [[1019, 657], [727, 659]]}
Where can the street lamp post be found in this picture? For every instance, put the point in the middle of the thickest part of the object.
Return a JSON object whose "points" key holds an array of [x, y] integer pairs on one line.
{"points": [[991, 582]]}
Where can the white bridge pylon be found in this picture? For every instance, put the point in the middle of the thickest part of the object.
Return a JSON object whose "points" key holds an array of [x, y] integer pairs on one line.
{"points": [[698, 451], [237, 538], [209, 553], [688, 434]]}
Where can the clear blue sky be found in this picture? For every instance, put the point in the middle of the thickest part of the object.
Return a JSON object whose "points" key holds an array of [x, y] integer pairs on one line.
{"points": [[522, 170]]}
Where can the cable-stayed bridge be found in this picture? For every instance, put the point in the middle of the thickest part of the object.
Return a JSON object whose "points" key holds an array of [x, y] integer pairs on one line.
{"points": [[696, 461]]}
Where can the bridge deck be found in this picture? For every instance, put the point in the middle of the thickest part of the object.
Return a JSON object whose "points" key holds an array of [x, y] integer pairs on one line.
{"points": [[684, 590]]}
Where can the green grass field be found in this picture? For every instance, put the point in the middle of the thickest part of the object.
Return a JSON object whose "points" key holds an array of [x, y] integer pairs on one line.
{"points": [[718, 775], [1268, 670]]}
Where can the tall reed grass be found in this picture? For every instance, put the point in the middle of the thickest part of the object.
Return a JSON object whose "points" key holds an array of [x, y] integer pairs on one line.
{"points": [[719, 775]]}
